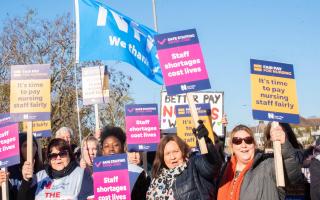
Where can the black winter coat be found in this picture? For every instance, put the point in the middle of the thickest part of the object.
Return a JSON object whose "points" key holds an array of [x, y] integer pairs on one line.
{"points": [[315, 179], [197, 181]]}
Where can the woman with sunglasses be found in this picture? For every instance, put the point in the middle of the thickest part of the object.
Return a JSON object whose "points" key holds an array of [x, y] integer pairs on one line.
{"points": [[250, 174], [62, 178]]}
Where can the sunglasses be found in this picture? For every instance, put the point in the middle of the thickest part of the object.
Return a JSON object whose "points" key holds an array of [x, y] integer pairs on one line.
{"points": [[54, 156], [238, 140]]}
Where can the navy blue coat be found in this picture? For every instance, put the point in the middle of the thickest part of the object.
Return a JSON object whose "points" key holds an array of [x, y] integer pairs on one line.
{"points": [[197, 181]]}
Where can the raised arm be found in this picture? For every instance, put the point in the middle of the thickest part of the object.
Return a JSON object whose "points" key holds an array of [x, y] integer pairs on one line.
{"points": [[208, 165]]}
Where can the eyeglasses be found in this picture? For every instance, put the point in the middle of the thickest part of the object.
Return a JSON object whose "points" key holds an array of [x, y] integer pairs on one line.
{"points": [[54, 156], [238, 140]]}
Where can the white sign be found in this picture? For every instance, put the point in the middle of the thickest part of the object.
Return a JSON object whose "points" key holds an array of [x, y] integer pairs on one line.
{"points": [[95, 85], [168, 103]]}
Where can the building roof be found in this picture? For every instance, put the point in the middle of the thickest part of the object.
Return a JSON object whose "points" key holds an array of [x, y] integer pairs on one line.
{"points": [[307, 122]]}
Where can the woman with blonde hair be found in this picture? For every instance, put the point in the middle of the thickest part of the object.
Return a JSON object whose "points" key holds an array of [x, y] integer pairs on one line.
{"points": [[250, 173], [90, 149]]}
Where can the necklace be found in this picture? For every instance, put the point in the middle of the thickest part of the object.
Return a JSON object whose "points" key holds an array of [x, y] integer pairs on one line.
{"points": [[235, 178]]}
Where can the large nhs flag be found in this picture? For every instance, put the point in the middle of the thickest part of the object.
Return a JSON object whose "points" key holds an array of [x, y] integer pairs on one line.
{"points": [[105, 34]]}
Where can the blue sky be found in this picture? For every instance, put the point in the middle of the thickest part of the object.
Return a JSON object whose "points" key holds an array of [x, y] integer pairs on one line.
{"points": [[230, 33]]}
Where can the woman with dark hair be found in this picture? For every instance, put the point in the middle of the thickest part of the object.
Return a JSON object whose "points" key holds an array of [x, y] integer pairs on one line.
{"points": [[14, 172], [315, 172], [250, 173], [301, 156], [179, 175], [113, 141], [291, 137], [62, 178]]}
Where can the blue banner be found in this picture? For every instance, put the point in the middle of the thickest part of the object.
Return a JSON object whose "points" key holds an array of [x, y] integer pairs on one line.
{"points": [[141, 109], [203, 109], [269, 68], [105, 34], [110, 162]]}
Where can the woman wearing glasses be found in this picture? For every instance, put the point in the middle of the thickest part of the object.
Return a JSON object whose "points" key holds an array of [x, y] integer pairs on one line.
{"points": [[62, 178], [250, 173]]}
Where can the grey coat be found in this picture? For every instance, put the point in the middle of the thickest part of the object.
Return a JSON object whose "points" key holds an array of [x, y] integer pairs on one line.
{"points": [[259, 182]]}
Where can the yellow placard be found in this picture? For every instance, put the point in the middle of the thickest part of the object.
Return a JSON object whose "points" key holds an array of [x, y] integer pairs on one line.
{"points": [[38, 126], [30, 96], [274, 94], [184, 129]]}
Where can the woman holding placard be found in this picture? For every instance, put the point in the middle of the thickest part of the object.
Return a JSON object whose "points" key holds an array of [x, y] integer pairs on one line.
{"points": [[14, 175], [250, 173], [301, 156], [62, 178], [113, 141], [180, 176]]}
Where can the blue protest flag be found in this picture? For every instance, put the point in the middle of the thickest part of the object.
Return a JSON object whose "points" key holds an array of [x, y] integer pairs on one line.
{"points": [[105, 34]]}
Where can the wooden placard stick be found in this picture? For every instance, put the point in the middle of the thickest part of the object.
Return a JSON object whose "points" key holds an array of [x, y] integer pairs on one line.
{"points": [[195, 118], [278, 163], [5, 187], [29, 142]]}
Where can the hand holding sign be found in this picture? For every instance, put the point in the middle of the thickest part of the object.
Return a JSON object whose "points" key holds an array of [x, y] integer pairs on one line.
{"points": [[201, 131], [278, 137], [277, 133], [27, 170], [4, 176], [274, 98]]}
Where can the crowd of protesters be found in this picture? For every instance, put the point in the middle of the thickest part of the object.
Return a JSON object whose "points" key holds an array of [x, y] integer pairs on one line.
{"points": [[178, 172]]}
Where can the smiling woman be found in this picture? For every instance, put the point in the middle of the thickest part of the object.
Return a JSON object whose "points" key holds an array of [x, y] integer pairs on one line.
{"points": [[250, 173], [62, 178]]}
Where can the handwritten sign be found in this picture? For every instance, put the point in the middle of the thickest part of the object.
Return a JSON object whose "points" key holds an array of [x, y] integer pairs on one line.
{"points": [[142, 127], [30, 93], [215, 99], [111, 177], [273, 88], [95, 85], [181, 62]]}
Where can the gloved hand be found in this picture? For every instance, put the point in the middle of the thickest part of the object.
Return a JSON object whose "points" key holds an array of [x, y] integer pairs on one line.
{"points": [[201, 131]]}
